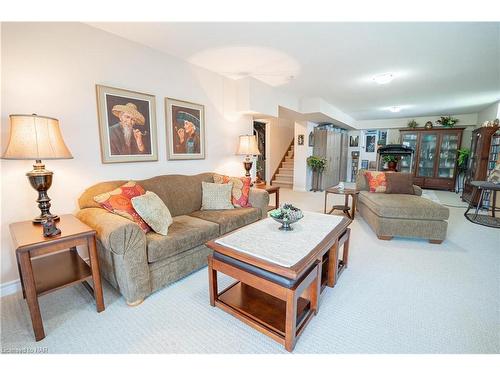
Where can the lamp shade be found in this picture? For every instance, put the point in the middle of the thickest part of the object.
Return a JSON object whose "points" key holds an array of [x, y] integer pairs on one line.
{"points": [[248, 145], [36, 138]]}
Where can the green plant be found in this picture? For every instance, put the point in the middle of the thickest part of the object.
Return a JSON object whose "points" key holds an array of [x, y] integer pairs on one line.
{"points": [[316, 163], [390, 158], [447, 121], [463, 157], [412, 124]]}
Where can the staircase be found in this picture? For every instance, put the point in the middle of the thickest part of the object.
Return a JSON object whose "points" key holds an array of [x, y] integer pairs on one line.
{"points": [[283, 176]]}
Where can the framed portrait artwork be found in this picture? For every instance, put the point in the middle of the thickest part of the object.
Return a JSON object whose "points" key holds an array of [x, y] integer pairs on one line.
{"points": [[185, 123], [370, 143], [127, 125]]}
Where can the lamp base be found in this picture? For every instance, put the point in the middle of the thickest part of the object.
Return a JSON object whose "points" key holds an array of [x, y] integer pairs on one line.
{"points": [[41, 180]]}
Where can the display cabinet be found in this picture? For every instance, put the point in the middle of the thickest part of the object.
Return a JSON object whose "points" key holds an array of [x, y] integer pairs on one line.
{"points": [[435, 163]]}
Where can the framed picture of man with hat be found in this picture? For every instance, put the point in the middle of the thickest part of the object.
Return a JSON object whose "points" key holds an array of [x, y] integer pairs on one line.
{"points": [[185, 130], [127, 125]]}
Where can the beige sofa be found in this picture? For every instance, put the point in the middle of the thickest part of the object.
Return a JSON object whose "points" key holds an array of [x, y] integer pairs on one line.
{"points": [[402, 215], [138, 264]]}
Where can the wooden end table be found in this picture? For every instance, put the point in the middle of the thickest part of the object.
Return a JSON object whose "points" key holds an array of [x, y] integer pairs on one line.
{"points": [[58, 269], [349, 211], [271, 190]]}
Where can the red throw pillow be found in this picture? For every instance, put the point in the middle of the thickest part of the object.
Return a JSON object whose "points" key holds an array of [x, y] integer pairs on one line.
{"points": [[376, 181], [119, 202], [241, 189]]}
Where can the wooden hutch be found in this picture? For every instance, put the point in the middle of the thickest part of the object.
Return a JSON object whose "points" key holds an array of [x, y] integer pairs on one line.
{"points": [[435, 159], [481, 159]]}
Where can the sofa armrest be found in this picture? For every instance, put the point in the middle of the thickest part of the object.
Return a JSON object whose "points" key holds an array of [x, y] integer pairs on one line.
{"points": [[126, 261], [417, 190], [259, 198]]}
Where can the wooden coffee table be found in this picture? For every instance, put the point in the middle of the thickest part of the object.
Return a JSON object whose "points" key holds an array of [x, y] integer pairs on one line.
{"points": [[273, 298]]}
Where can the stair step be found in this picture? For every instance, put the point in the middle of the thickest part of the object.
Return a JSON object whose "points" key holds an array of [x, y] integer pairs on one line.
{"points": [[284, 177], [282, 184], [288, 160], [287, 164], [286, 171]]}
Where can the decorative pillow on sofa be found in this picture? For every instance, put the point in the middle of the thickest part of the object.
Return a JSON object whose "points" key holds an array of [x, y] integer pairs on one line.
{"points": [[153, 211], [241, 188], [216, 196], [399, 183], [118, 201], [376, 181]]}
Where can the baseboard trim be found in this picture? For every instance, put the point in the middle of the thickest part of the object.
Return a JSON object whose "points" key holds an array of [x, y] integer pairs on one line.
{"points": [[11, 287]]}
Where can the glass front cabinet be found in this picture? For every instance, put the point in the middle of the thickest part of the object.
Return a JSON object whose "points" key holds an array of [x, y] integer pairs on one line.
{"points": [[435, 161]]}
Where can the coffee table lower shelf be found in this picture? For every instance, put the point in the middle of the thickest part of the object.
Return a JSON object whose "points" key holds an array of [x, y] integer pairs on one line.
{"points": [[261, 310]]}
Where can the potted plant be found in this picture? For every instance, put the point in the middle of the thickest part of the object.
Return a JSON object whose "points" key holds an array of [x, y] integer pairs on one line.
{"points": [[447, 121], [412, 124], [392, 162], [317, 165]]}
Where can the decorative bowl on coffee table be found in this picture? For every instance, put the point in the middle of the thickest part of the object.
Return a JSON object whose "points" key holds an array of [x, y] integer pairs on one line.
{"points": [[286, 215]]}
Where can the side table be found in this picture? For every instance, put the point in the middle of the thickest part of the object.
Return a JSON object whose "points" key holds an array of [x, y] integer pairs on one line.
{"points": [[476, 218], [349, 211], [271, 190], [58, 268]]}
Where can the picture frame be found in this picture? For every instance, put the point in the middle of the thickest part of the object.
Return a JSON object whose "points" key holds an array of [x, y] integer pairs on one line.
{"points": [[370, 143], [127, 125], [353, 140], [185, 123], [300, 139]]}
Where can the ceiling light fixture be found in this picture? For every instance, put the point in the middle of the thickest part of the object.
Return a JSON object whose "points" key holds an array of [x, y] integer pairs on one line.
{"points": [[395, 109], [384, 78]]}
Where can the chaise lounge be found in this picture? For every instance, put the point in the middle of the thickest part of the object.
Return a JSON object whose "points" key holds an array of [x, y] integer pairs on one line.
{"points": [[401, 215]]}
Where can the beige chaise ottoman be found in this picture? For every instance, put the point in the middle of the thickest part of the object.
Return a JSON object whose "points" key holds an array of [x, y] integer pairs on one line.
{"points": [[402, 215]]}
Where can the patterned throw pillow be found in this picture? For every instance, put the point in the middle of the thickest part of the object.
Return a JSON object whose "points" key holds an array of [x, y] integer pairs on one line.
{"points": [[376, 181], [216, 196], [119, 202], [153, 211], [241, 188]]}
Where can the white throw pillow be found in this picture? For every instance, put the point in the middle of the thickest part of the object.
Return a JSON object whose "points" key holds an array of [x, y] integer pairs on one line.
{"points": [[153, 211], [216, 196]]}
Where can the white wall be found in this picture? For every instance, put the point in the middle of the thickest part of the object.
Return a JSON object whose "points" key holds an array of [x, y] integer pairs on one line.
{"points": [[52, 69], [489, 114], [302, 175], [280, 136]]}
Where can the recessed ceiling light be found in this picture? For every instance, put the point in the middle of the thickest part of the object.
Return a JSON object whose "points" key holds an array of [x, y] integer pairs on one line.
{"points": [[394, 109], [384, 78]]}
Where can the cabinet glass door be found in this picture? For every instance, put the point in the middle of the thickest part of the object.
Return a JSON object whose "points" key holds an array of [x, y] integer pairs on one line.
{"points": [[409, 140], [427, 155], [447, 155]]}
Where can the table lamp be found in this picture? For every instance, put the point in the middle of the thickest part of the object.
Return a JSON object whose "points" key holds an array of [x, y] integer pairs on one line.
{"points": [[247, 147], [37, 137]]}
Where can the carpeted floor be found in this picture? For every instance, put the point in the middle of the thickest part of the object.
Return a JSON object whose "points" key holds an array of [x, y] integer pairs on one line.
{"points": [[399, 296]]}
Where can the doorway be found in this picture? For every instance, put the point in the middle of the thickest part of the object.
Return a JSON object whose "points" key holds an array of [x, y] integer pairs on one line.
{"points": [[259, 130]]}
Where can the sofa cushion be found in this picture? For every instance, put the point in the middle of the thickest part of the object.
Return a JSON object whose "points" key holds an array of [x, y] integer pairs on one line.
{"points": [[185, 233], [399, 183], [216, 196], [118, 201], [403, 206], [153, 211], [229, 220], [241, 188], [376, 181]]}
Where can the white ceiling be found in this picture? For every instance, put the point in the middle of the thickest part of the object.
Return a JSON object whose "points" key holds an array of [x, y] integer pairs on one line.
{"points": [[439, 68]]}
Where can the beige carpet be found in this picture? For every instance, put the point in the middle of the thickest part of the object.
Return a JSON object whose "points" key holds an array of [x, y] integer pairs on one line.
{"points": [[399, 296]]}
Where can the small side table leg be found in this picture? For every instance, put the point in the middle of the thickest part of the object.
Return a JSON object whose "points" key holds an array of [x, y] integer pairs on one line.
{"points": [[354, 201], [277, 196], [31, 296], [479, 203], [96, 276], [493, 203]]}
